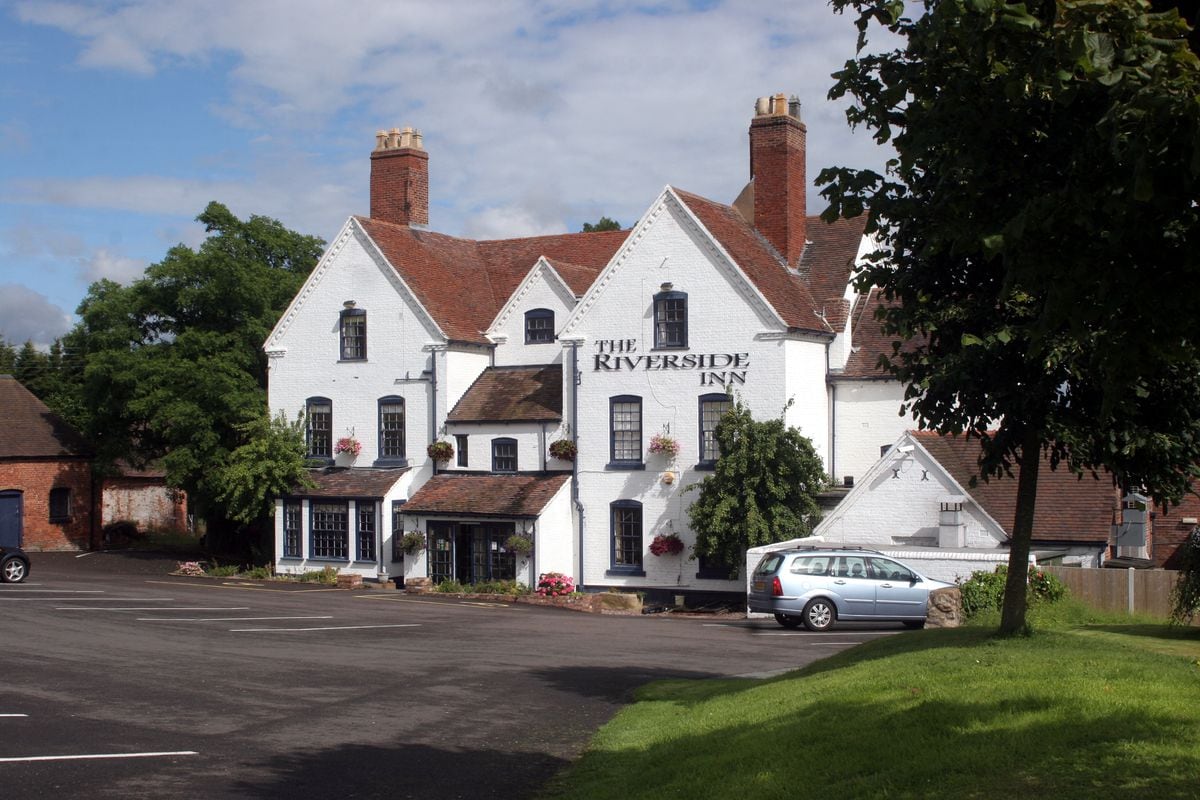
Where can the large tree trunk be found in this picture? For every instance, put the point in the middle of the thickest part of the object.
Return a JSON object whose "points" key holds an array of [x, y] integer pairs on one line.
{"points": [[1016, 587]]}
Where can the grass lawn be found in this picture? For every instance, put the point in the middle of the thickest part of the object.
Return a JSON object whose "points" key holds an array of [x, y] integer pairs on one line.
{"points": [[1093, 709]]}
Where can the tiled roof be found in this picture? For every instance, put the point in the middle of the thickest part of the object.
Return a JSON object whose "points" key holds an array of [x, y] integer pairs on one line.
{"points": [[828, 261], [464, 283], [512, 394], [31, 430], [1068, 508], [486, 495], [350, 482], [869, 340]]}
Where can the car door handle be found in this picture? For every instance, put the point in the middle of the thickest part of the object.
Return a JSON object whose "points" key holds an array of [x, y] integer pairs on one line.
{"points": [[840, 582]]}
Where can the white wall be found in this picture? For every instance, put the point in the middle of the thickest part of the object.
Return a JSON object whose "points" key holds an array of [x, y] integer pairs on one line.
{"points": [[531, 445], [541, 289], [866, 417], [556, 546]]}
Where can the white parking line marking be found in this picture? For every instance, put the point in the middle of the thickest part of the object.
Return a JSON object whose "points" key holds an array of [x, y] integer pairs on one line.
{"points": [[96, 599], [56, 591], [235, 587], [222, 619], [338, 628], [13, 715], [154, 608], [451, 603], [816, 637], [100, 755]]}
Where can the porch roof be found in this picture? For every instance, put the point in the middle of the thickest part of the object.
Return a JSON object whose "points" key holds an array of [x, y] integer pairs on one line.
{"points": [[350, 482], [486, 495]]}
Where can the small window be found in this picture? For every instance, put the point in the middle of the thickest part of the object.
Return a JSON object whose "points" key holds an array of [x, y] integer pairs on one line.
{"points": [[318, 414], [366, 530], [504, 455], [60, 504], [625, 431], [354, 335], [391, 430], [539, 326], [626, 536], [670, 320], [460, 449], [397, 530], [712, 408], [291, 530]]}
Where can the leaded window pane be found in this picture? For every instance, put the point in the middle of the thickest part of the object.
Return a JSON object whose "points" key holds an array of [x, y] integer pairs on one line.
{"points": [[711, 412], [627, 431], [330, 536], [627, 536], [670, 322], [391, 429], [539, 326], [504, 455], [354, 337], [366, 531], [291, 530], [320, 429]]}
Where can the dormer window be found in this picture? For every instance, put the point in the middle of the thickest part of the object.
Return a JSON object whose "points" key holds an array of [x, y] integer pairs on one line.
{"points": [[353, 333], [539, 326], [504, 455], [670, 319]]}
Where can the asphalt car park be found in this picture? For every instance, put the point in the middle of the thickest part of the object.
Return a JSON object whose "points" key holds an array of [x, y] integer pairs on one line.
{"points": [[122, 681]]}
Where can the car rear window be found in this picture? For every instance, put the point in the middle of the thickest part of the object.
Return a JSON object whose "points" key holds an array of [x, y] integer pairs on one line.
{"points": [[810, 565], [769, 564]]}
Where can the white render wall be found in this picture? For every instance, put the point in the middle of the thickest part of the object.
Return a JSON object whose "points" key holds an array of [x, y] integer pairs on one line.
{"points": [[723, 318], [556, 544], [532, 443], [541, 289], [804, 371], [866, 417], [898, 505]]}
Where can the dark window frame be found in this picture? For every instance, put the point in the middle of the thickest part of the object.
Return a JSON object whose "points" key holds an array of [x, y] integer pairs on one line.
{"points": [[630, 445], [318, 449], [366, 530], [293, 524], [398, 531], [460, 449], [535, 331], [622, 543], [670, 320], [352, 335], [325, 542], [498, 460], [386, 438], [713, 398], [59, 502]]}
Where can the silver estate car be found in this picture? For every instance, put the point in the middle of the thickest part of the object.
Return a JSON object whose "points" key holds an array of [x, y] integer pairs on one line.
{"points": [[816, 587]]}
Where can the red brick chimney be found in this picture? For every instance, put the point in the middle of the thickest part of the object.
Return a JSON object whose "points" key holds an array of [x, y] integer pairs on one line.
{"points": [[777, 154], [400, 178]]}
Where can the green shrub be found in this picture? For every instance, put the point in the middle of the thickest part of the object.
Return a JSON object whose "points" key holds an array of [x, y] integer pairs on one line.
{"points": [[226, 571], [450, 586], [1186, 594], [327, 576], [512, 588], [259, 572], [984, 591]]}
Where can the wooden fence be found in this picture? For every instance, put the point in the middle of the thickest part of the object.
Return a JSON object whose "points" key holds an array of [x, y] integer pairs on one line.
{"points": [[1141, 591]]}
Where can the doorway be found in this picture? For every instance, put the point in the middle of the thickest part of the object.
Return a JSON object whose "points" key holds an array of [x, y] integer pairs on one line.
{"points": [[10, 519]]}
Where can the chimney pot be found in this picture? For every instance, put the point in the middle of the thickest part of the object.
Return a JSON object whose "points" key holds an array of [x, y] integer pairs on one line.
{"points": [[400, 178]]}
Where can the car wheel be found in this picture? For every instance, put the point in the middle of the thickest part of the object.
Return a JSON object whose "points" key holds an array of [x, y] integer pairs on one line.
{"points": [[819, 614], [13, 570], [788, 621], [914, 623]]}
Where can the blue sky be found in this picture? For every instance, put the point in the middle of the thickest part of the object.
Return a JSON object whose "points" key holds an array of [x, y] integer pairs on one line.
{"points": [[119, 121]]}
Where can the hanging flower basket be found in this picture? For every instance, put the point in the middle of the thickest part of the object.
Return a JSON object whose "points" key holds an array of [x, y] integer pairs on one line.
{"points": [[518, 544], [664, 445], [440, 451], [666, 544], [347, 444], [563, 449], [412, 542]]}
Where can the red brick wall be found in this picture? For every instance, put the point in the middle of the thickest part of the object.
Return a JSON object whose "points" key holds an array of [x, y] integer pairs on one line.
{"points": [[1170, 530], [777, 156], [35, 479], [400, 186]]}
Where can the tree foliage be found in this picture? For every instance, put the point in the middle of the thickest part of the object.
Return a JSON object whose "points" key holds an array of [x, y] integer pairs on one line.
{"points": [[762, 490], [602, 224], [1038, 234], [175, 369], [1186, 593], [270, 463]]}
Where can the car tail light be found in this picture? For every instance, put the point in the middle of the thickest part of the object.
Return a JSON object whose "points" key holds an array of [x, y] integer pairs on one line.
{"points": [[776, 588]]}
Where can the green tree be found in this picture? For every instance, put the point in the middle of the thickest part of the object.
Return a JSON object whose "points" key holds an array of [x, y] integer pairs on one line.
{"points": [[603, 224], [1037, 235], [174, 364], [272, 461], [762, 490]]}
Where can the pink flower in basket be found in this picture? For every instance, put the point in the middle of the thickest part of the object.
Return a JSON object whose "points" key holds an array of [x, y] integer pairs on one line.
{"points": [[347, 444], [664, 445]]}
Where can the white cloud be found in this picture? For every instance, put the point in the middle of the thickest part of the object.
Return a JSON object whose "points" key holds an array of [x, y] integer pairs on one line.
{"points": [[105, 264], [26, 315]]}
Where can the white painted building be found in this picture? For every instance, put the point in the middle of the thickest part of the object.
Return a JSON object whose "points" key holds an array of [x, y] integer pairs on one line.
{"points": [[402, 337]]}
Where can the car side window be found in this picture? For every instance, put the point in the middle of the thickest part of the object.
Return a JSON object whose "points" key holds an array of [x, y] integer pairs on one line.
{"points": [[850, 567], [885, 570], [810, 565]]}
